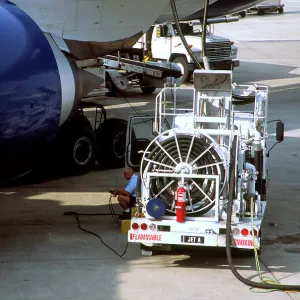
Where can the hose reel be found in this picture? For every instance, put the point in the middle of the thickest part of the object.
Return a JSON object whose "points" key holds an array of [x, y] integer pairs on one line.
{"points": [[182, 153]]}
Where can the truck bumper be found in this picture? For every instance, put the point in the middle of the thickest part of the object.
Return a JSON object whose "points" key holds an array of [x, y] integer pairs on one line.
{"points": [[203, 233], [226, 65], [192, 239], [236, 63]]}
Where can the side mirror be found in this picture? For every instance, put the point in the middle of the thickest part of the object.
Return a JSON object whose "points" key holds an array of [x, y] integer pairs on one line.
{"points": [[279, 131], [279, 134]]}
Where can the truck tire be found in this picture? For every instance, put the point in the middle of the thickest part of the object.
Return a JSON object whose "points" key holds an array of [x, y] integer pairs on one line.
{"points": [[242, 14], [78, 148], [183, 65], [148, 89], [280, 10], [261, 12], [111, 141], [109, 84]]}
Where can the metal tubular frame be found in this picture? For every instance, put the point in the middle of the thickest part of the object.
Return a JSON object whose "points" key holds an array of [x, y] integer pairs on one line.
{"points": [[195, 176], [224, 121]]}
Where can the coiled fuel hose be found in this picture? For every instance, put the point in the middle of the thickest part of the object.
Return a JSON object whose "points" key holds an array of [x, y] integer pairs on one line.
{"points": [[185, 154]]}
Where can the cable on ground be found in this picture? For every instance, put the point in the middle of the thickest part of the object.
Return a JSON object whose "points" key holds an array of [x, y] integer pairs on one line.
{"points": [[114, 216]]}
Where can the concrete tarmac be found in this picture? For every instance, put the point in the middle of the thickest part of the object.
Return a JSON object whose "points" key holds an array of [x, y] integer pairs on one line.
{"points": [[44, 256]]}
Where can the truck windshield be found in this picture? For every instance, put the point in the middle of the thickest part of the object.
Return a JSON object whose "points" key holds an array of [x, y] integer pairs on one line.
{"points": [[185, 28], [188, 29]]}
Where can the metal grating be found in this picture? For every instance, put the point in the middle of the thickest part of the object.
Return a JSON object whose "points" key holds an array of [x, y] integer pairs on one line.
{"points": [[218, 50]]}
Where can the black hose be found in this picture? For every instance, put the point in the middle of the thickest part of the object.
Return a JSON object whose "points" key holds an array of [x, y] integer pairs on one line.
{"points": [[204, 25], [138, 194], [242, 100], [138, 187], [233, 269], [176, 19], [72, 213], [259, 168], [114, 216]]}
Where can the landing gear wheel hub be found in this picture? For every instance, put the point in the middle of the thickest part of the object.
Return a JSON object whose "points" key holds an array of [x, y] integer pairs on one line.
{"points": [[82, 151]]}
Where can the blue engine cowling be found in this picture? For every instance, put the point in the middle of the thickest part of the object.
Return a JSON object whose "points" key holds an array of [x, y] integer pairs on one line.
{"points": [[38, 91]]}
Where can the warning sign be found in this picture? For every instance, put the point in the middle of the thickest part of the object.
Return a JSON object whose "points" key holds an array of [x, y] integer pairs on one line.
{"points": [[245, 243], [145, 237]]}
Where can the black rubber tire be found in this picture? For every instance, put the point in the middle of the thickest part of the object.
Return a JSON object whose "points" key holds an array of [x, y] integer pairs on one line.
{"points": [[81, 121], [111, 141], [78, 150], [186, 73], [242, 14], [260, 12], [280, 10], [58, 155], [148, 89], [139, 144], [112, 90]]}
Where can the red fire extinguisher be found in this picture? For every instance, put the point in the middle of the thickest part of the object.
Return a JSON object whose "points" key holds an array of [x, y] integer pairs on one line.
{"points": [[180, 204]]}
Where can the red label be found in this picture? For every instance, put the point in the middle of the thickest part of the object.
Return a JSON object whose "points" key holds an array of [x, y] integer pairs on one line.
{"points": [[240, 242], [145, 237]]}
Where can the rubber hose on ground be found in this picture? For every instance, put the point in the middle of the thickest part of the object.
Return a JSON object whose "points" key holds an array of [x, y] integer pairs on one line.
{"points": [[266, 286]]}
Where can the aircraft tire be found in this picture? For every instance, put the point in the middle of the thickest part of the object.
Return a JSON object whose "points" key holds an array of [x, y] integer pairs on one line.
{"points": [[79, 150], [111, 141]]}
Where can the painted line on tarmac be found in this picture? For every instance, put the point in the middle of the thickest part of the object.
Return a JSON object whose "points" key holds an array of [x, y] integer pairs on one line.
{"points": [[270, 40], [283, 90]]}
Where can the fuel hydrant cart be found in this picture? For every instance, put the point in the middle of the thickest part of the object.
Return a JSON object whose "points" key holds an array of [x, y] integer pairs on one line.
{"points": [[213, 141]]}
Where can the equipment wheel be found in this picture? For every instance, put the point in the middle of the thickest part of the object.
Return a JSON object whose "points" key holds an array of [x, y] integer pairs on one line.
{"points": [[261, 12], [183, 65], [148, 89], [242, 14], [280, 10], [112, 90]]}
